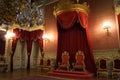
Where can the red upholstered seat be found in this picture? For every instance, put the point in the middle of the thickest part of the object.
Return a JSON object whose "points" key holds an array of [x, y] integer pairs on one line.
{"points": [[116, 67], [79, 59], [103, 64], [117, 63], [65, 61], [79, 64]]}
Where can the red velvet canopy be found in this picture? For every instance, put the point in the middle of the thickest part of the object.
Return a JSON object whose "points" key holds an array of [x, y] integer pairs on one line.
{"points": [[73, 36]]}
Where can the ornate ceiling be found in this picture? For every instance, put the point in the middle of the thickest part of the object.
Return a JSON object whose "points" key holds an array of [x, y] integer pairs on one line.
{"points": [[24, 13]]}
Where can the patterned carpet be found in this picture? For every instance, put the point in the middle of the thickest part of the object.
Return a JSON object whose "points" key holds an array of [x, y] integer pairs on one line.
{"points": [[40, 78]]}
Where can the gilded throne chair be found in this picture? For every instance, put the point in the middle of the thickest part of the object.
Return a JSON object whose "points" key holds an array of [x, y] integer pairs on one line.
{"points": [[65, 61], [79, 64]]}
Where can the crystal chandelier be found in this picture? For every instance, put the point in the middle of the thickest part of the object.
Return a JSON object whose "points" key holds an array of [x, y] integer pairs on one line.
{"points": [[28, 13], [25, 13]]}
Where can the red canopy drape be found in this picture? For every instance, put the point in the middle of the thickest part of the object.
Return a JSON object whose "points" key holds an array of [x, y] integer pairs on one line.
{"points": [[14, 43], [82, 17], [67, 19], [15, 39], [29, 37], [37, 35], [74, 38], [118, 19]]}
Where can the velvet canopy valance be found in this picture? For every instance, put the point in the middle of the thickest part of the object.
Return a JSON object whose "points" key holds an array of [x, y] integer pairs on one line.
{"points": [[67, 19], [29, 37]]}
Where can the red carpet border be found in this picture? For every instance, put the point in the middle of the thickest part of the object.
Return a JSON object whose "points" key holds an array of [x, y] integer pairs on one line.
{"points": [[39, 78], [72, 74]]}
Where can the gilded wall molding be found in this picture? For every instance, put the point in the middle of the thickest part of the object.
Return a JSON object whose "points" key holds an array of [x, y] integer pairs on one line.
{"points": [[106, 53]]}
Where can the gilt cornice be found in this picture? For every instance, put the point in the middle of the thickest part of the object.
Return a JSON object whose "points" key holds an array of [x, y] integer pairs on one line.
{"points": [[66, 5], [117, 9], [28, 28]]}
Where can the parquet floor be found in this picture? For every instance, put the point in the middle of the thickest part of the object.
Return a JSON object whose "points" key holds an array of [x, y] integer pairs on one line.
{"points": [[23, 73]]}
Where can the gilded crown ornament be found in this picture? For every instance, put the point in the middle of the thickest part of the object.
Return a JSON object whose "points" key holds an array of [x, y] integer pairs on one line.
{"points": [[67, 5]]}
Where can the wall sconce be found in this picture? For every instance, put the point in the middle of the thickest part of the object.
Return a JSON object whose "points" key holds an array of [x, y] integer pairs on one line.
{"points": [[107, 26], [9, 35], [45, 37]]}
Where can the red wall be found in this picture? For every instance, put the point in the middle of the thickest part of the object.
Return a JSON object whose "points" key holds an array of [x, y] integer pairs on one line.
{"points": [[100, 11], [50, 29]]}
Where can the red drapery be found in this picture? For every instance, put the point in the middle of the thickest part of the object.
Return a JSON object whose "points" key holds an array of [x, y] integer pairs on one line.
{"points": [[15, 39], [37, 35], [14, 43], [68, 21], [29, 37], [82, 17], [118, 20], [75, 38]]}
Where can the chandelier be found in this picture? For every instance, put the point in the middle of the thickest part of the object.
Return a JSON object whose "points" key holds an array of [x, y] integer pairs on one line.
{"points": [[25, 13], [28, 13]]}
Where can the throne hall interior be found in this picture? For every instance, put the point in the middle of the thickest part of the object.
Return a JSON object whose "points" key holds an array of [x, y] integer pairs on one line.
{"points": [[68, 39]]}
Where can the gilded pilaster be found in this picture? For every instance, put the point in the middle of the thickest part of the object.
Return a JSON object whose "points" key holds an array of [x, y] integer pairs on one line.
{"points": [[8, 48]]}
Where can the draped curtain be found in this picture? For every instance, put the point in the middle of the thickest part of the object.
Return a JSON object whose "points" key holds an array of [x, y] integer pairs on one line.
{"points": [[14, 43], [29, 37], [118, 19], [73, 36]]}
